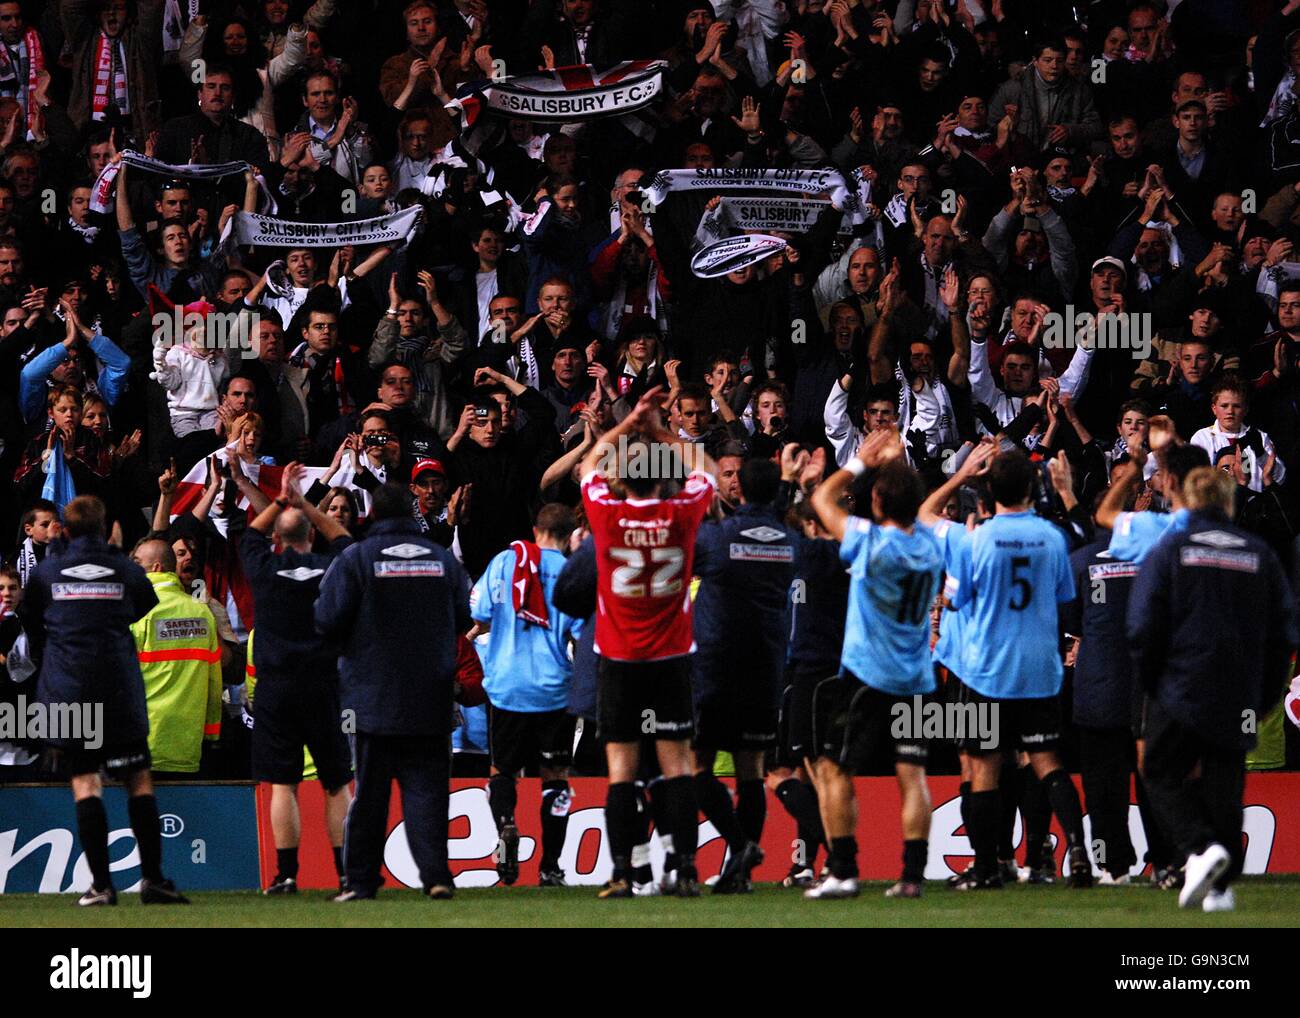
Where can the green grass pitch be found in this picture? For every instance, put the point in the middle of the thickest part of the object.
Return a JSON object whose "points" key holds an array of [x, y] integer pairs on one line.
{"points": [[1261, 902]]}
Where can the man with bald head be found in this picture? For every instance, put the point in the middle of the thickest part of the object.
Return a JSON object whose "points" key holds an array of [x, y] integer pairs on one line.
{"points": [[297, 697], [180, 660]]}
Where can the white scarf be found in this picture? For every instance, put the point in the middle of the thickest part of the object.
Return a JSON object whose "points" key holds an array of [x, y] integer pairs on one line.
{"points": [[1283, 101]]}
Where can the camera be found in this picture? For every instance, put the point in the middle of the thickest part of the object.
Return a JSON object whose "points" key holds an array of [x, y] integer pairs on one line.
{"points": [[482, 413], [377, 441]]}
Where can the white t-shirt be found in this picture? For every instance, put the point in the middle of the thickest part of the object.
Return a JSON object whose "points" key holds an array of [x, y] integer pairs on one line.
{"points": [[486, 282]]}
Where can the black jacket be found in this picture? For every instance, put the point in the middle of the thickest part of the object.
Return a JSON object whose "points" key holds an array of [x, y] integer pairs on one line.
{"points": [[77, 610], [395, 603], [1104, 690], [284, 593], [1211, 626], [505, 479]]}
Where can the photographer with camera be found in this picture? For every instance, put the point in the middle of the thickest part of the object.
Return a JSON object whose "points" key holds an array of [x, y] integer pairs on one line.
{"points": [[502, 462]]}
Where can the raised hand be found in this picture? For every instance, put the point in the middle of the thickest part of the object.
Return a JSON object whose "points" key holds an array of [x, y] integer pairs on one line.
{"points": [[749, 121]]}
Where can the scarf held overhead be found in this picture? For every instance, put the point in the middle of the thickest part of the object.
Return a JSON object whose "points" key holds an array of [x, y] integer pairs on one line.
{"points": [[101, 195], [250, 228], [807, 182], [563, 94]]}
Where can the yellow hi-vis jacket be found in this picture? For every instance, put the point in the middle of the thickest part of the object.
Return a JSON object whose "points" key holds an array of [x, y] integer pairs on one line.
{"points": [[180, 659]]}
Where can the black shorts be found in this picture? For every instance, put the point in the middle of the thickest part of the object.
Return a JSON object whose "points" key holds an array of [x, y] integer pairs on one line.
{"points": [[289, 714], [735, 708], [119, 761], [795, 741], [1033, 724], [520, 740], [639, 698], [852, 721]]}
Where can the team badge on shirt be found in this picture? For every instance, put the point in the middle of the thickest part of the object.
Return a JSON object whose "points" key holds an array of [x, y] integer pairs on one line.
{"points": [[301, 574], [405, 551], [87, 571], [1218, 539]]}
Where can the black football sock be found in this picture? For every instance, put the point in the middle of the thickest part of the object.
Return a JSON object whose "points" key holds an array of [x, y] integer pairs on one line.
{"points": [[1065, 804], [1009, 789], [657, 796], [1037, 810], [715, 804], [642, 873], [800, 801], [844, 857], [751, 807], [92, 827], [621, 822], [286, 862], [143, 811], [556, 799], [914, 854], [964, 791], [338, 860], [982, 829], [683, 817], [502, 798]]}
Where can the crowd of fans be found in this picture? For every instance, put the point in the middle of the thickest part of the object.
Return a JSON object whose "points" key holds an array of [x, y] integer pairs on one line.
{"points": [[1021, 163]]}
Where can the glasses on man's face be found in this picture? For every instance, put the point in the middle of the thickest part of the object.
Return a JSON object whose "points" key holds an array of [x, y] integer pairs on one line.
{"points": [[908, 179]]}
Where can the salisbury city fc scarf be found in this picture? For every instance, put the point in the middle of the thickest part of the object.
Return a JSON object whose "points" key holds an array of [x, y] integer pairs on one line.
{"points": [[9, 71], [397, 228], [809, 182], [565, 94], [101, 195], [527, 596]]}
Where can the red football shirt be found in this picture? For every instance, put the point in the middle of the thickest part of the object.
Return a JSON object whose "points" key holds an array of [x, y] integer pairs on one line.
{"points": [[645, 552]]}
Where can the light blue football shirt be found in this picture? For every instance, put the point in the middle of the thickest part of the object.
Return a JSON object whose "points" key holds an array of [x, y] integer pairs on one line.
{"points": [[526, 667], [954, 539], [1017, 571], [893, 580], [1135, 534]]}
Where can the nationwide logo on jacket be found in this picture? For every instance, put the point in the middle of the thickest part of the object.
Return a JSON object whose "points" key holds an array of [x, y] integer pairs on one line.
{"points": [[408, 567], [87, 591], [765, 552]]}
